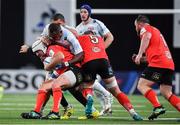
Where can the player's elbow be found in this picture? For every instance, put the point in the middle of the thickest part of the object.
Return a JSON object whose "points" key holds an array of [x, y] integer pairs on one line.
{"points": [[112, 37], [81, 56]]}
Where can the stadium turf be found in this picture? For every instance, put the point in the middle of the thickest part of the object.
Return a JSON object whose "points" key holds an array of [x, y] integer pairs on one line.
{"points": [[12, 105]]}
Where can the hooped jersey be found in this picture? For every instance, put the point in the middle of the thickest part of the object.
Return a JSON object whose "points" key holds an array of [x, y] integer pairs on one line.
{"points": [[93, 47], [157, 53]]}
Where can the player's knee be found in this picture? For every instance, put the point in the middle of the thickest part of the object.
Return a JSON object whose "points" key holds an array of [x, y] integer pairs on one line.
{"points": [[112, 84], [55, 84], [165, 93], [166, 90], [140, 86]]}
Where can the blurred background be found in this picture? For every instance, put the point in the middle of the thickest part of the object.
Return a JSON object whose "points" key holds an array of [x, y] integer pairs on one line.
{"points": [[21, 21]]}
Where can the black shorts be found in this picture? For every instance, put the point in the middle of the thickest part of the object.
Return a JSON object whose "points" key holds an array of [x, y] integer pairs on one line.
{"points": [[158, 75], [94, 67], [77, 72]]}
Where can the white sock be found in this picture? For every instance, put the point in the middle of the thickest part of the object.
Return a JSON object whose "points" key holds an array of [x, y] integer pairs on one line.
{"points": [[99, 88], [101, 93], [132, 112]]}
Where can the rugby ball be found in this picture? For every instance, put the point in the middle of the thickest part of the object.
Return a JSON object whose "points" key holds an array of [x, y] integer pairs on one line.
{"points": [[47, 60]]}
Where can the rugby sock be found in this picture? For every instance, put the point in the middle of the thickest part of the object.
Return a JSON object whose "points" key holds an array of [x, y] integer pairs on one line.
{"points": [[99, 88], [48, 94], [64, 102], [175, 101], [102, 94], [79, 96], [152, 97], [57, 96], [124, 101], [87, 91], [40, 99]]}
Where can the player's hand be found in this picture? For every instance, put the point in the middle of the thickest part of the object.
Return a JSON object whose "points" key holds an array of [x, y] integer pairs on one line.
{"points": [[134, 57], [46, 40], [143, 59], [62, 65], [24, 48], [138, 59]]}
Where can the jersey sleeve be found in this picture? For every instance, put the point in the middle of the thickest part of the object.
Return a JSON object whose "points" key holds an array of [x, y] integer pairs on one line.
{"points": [[78, 29], [74, 43], [102, 28], [144, 30]]}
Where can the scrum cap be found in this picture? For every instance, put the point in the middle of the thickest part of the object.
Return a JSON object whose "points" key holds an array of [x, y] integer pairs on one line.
{"points": [[87, 7], [39, 45]]}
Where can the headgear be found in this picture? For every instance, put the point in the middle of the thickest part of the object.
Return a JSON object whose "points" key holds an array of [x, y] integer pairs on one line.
{"points": [[87, 7], [39, 45]]}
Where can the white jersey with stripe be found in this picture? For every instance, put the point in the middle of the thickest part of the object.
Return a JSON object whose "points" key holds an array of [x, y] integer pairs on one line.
{"points": [[67, 36], [94, 25]]}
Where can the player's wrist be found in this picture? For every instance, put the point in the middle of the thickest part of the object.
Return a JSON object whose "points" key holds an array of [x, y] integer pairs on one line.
{"points": [[66, 64], [62, 65]]}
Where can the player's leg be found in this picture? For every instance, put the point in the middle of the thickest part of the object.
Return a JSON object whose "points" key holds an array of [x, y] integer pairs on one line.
{"points": [[49, 93], [144, 86], [104, 97], [150, 76], [57, 96], [79, 96], [40, 100], [68, 109], [112, 86], [88, 94], [166, 89], [106, 73], [67, 79]]}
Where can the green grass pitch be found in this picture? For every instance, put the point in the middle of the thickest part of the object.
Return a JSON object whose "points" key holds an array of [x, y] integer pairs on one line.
{"points": [[12, 105]]}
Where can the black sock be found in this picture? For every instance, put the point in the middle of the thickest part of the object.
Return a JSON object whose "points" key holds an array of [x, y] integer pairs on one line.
{"points": [[78, 95], [64, 102]]}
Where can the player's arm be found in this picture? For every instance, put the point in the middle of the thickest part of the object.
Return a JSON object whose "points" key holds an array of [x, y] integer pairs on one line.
{"points": [[143, 59], [144, 44], [25, 49], [77, 58], [108, 39], [105, 32], [76, 49], [57, 59], [73, 30]]}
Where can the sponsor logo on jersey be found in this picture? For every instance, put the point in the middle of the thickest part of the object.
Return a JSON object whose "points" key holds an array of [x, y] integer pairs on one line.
{"points": [[96, 49], [143, 30]]}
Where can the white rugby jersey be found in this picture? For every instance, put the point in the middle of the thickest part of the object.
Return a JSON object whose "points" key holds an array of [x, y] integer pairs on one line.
{"points": [[94, 25], [75, 47]]}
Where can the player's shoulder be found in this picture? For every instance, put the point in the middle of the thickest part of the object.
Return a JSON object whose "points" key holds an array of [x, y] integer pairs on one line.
{"points": [[47, 26], [97, 21], [146, 28], [79, 25], [69, 27], [143, 30]]}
